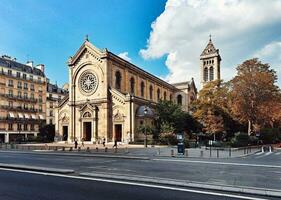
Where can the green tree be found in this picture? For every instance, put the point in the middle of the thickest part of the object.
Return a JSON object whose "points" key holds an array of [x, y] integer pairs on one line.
{"points": [[47, 133], [171, 119]]}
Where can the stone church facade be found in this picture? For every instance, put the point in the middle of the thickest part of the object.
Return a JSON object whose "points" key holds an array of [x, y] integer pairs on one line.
{"points": [[105, 93]]}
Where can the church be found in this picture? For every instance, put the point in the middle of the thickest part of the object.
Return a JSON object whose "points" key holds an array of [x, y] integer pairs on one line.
{"points": [[106, 93]]}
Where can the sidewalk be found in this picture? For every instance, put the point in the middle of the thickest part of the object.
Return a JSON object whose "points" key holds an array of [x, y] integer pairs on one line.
{"points": [[133, 150]]}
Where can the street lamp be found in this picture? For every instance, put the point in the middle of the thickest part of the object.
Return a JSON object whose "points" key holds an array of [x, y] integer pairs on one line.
{"points": [[145, 134]]}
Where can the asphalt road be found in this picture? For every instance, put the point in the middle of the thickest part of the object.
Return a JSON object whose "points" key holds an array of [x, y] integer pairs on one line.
{"points": [[26, 186], [247, 172]]}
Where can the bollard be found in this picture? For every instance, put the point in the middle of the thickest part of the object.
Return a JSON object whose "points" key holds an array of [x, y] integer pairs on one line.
{"points": [[244, 150], [97, 149], [210, 151], [186, 152], [262, 150], [270, 149], [63, 148], [201, 153], [79, 148], [105, 149], [88, 149], [172, 153], [158, 151], [218, 153], [229, 152], [70, 149], [56, 148]]}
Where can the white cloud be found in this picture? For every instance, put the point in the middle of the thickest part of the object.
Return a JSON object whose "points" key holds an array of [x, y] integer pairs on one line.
{"points": [[271, 53], [238, 28], [125, 56]]}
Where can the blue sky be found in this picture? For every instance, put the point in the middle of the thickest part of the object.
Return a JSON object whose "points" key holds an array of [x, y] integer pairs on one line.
{"points": [[163, 37], [50, 31]]}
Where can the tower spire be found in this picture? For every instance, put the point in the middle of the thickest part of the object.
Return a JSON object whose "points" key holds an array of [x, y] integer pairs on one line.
{"points": [[210, 37], [87, 38]]}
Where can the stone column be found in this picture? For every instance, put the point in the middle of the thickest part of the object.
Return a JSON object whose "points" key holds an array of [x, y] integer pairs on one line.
{"points": [[7, 138]]}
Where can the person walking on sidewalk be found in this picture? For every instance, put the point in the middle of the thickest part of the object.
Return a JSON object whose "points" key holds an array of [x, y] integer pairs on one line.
{"points": [[75, 143], [115, 144], [82, 140]]}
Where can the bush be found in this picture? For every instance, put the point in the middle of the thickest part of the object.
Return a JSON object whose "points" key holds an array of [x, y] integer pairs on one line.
{"points": [[270, 135], [240, 140], [169, 139]]}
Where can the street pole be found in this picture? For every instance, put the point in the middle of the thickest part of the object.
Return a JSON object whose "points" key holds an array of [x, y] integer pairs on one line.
{"points": [[145, 134]]}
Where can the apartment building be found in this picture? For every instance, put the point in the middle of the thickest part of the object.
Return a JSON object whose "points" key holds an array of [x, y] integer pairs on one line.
{"points": [[54, 95], [22, 99]]}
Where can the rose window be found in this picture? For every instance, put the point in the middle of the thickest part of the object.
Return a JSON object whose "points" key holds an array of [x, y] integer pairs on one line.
{"points": [[88, 82]]}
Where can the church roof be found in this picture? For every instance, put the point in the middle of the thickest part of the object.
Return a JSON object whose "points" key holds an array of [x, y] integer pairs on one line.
{"points": [[20, 67], [210, 50]]}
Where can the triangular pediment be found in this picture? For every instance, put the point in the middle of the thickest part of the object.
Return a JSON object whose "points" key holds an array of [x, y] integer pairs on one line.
{"points": [[87, 106], [86, 47]]}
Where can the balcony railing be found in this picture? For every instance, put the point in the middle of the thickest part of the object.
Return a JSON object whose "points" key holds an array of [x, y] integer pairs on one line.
{"points": [[20, 109], [22, 78], [10, 96], [20, 120]]}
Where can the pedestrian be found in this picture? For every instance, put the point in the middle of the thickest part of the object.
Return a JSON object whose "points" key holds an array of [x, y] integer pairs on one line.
{"points": [[82, 140], [103, 143], [115, 144], [75, 144]]}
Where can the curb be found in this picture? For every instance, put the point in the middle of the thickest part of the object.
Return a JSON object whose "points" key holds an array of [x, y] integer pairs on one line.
{"points": [[186, 183], [37, 169], [79, 155]]}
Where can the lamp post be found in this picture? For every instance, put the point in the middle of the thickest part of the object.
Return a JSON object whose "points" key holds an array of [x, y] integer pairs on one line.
{"points": [[145, 134]]}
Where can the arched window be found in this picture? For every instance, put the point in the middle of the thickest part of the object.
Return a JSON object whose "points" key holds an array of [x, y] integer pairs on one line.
{"points": [[142, 89], [151, 92], [132, 85], [179, 99], [211, 73], [165, 96], [158, 94], [205, 74], [87, 115], [118, 80]]}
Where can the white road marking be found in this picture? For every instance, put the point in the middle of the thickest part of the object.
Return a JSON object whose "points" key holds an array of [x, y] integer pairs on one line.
{"points": [[259, 153], [265, 154], [219, 163], [278, 153], [136, 184]]}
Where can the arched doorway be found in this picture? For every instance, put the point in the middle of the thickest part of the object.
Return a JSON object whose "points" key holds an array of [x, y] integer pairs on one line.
{"points": [[87, 126]]}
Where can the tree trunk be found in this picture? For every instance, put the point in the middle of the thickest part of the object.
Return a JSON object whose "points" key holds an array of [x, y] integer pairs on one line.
{"points": [[249, 127]]}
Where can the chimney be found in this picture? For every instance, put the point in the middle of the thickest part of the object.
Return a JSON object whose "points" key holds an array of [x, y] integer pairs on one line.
{"points": [[41, 67], [6, 57], [29, 63]]}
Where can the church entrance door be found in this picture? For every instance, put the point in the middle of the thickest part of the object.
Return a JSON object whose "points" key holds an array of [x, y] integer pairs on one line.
{"points": [[87, 131], [64, 133], [118, 132]]}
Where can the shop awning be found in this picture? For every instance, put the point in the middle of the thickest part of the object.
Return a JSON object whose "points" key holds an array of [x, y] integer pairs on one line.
{"points": [[41, 117], [20, 115], [11, 115], [33, 116], [26, 116]]}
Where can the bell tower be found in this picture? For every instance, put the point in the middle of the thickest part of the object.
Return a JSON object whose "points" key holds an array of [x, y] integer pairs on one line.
{"points": [[210, 63]]}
